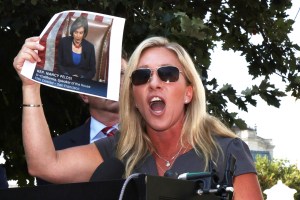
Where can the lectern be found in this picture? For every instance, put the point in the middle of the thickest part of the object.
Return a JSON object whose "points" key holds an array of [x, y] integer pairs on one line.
{"points": [[144, 187]]}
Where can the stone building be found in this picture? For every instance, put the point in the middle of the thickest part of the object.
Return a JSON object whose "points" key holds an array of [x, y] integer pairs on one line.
{"points": [[258, 145]]}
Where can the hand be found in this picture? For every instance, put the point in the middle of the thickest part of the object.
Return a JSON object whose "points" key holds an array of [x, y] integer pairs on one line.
{"points": [[27, 52]]}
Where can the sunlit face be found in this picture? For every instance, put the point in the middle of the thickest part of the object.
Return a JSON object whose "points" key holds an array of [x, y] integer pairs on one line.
{"points": [[161, 104], [78, 35]]}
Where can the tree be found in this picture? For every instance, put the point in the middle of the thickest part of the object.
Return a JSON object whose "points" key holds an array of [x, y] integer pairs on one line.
{"points": [[269, 172], [198, 25]]}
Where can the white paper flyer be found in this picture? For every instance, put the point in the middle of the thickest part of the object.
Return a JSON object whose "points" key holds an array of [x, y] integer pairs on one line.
{"points": [[82, 54]]}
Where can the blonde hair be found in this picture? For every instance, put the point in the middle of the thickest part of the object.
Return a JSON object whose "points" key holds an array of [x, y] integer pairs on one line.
{"points": [[198, 128]]}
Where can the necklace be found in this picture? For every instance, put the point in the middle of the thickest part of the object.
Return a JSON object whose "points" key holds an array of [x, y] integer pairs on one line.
{"points": [[77, 46], [169, 162], [160, 168], [163, 171]]}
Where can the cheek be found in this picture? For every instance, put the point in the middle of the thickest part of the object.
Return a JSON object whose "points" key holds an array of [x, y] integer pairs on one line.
{"points": [[138, 94], [179, 95]]}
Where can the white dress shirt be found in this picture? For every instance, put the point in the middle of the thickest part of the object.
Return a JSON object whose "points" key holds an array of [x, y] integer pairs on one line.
{"points": [[95, 130]]}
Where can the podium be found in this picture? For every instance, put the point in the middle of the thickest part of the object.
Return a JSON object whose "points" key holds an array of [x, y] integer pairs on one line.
{"points": [[145, 187]]}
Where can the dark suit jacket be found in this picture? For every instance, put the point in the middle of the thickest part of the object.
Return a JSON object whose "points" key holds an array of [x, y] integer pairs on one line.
{"points": [[3, 178], [76, 137], [87, 66]]}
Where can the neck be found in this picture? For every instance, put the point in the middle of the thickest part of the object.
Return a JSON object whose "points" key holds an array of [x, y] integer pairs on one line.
{"points": [[107, 118], [166, 147], [165, 142], [76, 45]]}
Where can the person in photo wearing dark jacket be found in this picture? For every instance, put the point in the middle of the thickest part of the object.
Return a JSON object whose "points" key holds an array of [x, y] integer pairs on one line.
{"points": [[76, 55]]}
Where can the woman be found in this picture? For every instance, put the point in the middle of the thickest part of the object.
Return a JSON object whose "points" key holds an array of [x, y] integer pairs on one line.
{"points": [[164, 124], [76, 55]]}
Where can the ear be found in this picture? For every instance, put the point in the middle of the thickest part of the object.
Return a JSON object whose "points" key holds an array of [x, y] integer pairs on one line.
{"points": [[188, 94], [84, 98]]}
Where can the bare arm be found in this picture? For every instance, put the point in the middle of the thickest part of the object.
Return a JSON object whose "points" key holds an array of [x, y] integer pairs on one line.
{"points": [[71, 165], [246, 187]]}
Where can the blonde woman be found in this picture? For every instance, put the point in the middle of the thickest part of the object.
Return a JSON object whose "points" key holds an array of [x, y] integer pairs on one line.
{"points": [[164, 125]]}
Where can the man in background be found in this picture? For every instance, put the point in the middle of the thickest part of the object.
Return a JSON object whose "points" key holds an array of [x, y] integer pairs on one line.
{"points": [[3, 178]]}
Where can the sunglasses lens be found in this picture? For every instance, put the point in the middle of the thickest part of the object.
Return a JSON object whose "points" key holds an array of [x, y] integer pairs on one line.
{"points": [[140, 76], [168, 73]]}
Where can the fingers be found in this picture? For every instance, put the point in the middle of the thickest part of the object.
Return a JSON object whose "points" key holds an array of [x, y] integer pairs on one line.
{"points": [[28, 52], [32, 39], [29, 49]]}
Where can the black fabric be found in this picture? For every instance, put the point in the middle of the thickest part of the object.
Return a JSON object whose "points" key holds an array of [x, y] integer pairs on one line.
{"points": [[3, 178], [110, 169], [104, 190], [75, 137], [107, 147]]}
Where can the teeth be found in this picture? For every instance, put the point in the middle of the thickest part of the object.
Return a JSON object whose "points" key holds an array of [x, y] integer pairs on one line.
{"points": [[156, 99]]}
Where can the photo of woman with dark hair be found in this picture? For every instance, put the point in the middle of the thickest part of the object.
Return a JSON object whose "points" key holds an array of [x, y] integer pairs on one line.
{"points": [[76, 55]]}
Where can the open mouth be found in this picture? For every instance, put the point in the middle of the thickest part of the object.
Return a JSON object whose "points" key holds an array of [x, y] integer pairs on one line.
{"points": [[157, 104]]}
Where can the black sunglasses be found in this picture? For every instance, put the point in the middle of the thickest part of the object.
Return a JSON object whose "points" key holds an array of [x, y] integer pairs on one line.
{"points": [[166, 73]]}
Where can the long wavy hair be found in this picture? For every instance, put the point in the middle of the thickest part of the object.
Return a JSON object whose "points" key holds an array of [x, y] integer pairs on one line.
{"points": [[198, 129]]}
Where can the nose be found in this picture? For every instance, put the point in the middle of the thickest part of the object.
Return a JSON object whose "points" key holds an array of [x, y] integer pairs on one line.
{"points": [[154, 80]]}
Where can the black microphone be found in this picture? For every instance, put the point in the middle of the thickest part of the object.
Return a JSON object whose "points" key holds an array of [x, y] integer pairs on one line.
{"points": [[110, 169]]}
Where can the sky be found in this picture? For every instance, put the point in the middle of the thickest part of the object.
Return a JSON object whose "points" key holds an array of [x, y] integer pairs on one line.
{"points": [[279, 124]]}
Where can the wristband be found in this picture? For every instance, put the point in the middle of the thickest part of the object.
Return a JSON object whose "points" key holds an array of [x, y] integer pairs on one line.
{"points": [[32, 105]]}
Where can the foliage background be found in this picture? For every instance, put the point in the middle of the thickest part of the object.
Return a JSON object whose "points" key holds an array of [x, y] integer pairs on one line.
{"points": [[269, 172], [198, 25]]}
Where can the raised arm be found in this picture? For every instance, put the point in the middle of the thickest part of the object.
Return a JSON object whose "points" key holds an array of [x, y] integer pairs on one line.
{"points": [[71, 165]]}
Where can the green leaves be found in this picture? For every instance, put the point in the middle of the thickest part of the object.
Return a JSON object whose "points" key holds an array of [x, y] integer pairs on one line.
{"points": [[269, 95], [270, 171], [192, 27]]}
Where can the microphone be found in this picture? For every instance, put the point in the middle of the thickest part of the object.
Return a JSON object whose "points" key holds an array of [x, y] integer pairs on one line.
{"points": [[111, 168], [194, 175]]}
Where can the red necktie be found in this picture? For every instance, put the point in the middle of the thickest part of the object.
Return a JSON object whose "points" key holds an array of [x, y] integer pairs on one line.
{"points": [[109, 131]]}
